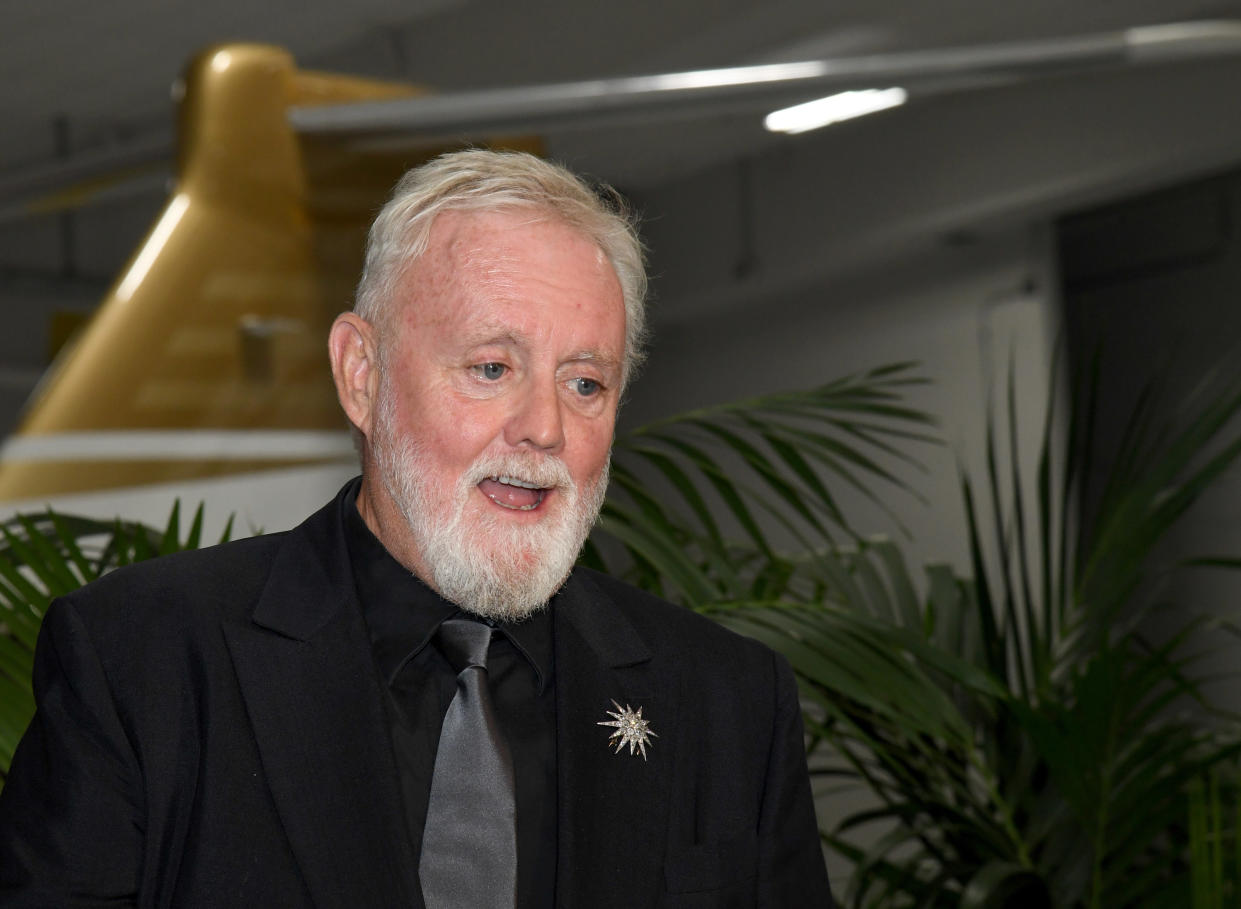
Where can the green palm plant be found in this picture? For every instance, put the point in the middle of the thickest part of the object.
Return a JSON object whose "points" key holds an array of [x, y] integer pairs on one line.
{"points": [[733, 502], [1023, 743], [1215, 838], [43, 556]]}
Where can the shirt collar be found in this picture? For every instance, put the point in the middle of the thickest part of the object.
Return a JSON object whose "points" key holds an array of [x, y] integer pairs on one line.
{"points": [[402, 613]]}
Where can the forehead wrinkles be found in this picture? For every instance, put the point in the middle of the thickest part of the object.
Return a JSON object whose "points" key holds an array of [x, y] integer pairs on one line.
{"points": [[473, 260], [462, 256], [477, 244]]}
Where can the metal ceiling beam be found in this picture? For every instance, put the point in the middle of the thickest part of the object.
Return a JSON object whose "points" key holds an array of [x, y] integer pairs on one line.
{"points": [[135, 167], [92, 177], [694, 93]]}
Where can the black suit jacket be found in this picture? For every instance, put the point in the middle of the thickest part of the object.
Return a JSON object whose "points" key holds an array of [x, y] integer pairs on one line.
{"points": [[210, 733]]}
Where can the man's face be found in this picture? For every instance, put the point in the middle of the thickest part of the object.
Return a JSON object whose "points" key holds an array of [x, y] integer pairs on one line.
{"points": [[496, 406]]}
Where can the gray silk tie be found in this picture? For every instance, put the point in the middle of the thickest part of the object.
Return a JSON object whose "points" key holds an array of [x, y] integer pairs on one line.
{"points": [[469, 843]]}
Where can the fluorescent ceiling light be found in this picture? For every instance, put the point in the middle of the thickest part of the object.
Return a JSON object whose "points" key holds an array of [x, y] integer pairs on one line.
{"points": [[735, 75], [842, 106]]}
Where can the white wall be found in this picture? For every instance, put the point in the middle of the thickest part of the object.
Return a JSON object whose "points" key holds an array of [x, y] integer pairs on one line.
{"points": [[958, 312]]}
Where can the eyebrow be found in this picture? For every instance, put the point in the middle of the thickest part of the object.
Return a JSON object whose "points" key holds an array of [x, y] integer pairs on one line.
{"points": [[502, 337], [485, 336], [606, 361]]}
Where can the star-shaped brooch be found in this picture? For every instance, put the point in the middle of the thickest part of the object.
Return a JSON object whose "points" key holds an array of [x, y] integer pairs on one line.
{"points": [[631, 729]]}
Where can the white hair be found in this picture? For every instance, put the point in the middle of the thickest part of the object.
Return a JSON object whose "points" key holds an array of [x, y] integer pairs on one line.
{"points": [[480, 180]]}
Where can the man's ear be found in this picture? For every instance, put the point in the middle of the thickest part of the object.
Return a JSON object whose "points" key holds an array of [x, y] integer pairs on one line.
{"points": [[355, 368]]}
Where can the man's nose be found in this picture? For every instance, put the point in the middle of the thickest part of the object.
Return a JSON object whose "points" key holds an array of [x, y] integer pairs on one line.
{"points": [[537, 420]]}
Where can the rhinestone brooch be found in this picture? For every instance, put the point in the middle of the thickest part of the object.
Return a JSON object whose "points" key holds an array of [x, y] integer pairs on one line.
{"points": [[631, 729]]}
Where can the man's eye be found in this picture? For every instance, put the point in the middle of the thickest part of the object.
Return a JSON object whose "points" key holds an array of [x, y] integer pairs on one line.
{"points": [[586, 387], [491, 371]]}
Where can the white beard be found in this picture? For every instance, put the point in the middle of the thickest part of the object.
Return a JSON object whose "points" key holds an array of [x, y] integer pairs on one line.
{"points": [[490, 567]]}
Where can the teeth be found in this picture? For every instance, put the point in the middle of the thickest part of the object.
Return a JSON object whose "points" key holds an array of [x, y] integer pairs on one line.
{"points": [[513, 481]]}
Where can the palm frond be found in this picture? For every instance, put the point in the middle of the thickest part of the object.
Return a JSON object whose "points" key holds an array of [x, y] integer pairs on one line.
{"points": [[45, 555], [1016, 735], [741, 486]]}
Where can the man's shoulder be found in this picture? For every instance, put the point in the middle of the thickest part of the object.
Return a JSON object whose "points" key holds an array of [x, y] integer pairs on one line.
{"points": [[217, 579], [669, 628]]}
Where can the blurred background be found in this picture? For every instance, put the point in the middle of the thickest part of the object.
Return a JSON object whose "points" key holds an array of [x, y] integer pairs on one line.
{"points": [[1056, 197]]}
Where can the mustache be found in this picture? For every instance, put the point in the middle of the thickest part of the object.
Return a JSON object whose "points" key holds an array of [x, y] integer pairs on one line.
{"points": [[545, 471]]}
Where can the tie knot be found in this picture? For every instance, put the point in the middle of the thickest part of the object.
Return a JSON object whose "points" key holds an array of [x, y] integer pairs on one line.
{"points": [[464, 643]]}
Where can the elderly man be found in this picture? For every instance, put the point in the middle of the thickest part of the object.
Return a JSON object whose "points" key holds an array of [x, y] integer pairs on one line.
{"points": [[413, 698]]}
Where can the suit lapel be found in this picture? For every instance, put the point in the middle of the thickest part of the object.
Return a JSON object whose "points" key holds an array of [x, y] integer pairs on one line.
{"points": [[308, 679], [613, 807]]}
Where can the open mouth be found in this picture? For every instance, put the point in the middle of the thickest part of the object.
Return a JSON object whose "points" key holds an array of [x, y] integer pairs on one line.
{"points": [[513, 492]]}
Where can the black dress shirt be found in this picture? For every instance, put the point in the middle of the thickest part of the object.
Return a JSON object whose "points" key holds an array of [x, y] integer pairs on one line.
{"points": [[402, 614]]}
